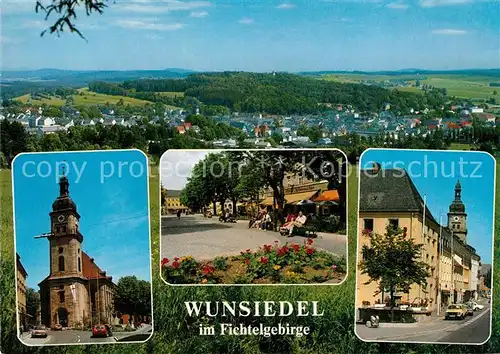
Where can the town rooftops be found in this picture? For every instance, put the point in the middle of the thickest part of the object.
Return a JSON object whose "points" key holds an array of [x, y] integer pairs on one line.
{"points": [[390, 190], [91, 270]]}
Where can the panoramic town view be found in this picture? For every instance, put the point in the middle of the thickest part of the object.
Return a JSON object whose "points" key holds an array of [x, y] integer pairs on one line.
{"points": [[424, 259], [173, 76], [253, 217], [71, 287]]}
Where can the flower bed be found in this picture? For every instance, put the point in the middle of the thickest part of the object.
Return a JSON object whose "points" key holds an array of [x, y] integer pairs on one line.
{"points": [[271, 264]]}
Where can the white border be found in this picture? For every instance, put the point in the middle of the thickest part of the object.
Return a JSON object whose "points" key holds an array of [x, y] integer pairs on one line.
{"points": [[492, 245], [15, 244], [262, 150]]}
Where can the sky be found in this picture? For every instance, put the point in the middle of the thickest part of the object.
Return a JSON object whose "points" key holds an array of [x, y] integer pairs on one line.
{"points": [[176, 167], [112, 203], [258, 35], [437, 182]]}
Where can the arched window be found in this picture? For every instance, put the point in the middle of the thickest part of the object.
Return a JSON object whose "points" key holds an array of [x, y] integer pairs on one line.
{"points": [[61, 263], [79, 265]]}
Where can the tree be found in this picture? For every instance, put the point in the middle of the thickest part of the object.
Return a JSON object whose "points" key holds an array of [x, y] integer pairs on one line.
{"points": [[393, 261], [32, 303], [66, 10], [133, 296]]}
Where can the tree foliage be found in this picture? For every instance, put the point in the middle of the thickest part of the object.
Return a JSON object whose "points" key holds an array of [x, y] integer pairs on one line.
{"points": [[393, 261], [133, 296]]}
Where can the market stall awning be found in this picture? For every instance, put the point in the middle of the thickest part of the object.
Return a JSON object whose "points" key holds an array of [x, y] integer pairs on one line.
{"points": [[291, 198], [328, 196]]}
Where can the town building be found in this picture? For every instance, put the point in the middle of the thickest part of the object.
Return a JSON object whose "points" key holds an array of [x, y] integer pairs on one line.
{"points": [[21, 292], [173, 202], [76, 292], [389, 198]]}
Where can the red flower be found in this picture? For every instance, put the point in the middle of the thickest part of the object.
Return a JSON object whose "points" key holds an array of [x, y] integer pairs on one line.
{"points": [[276, 241], [264, 260], [282, 251], [248, 250], [310, 251], [247, 261], [334, 266], [207, 269], [164, 261], [310, 241], [267, 248], [176, 259], [176, 264], [296, 247]]}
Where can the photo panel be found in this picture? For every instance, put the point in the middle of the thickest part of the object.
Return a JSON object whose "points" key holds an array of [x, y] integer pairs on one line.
{"points": [[425, 246], [253, 217], [82, 242]]}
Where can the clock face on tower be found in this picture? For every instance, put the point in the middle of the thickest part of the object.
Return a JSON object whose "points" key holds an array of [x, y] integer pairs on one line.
{"points": [[61, 218], [456, 218]]}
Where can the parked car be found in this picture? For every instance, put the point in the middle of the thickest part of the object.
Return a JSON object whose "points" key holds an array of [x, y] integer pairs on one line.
{"points": [[456, 311], [57, 327], [39, 332], [99, 331], [475, 305], [469, 309]]}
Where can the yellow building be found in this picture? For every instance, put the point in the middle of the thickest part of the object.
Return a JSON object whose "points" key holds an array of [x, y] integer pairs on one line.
{"points": [[172, 202], [21, 292], [389, 198]]}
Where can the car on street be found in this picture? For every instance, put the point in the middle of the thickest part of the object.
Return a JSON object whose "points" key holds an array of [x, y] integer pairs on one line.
{"points": [[57, 327], [469, 309], [99, 331], [475, 306], [456, 311], [39, 332]]}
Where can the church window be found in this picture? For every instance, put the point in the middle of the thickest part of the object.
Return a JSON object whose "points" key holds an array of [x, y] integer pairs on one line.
{"points": [[79, 264], [61, 263], [61, 295], [60, 250]]}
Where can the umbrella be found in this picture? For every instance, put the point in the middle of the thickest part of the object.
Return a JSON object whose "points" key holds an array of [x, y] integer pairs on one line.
{"points": [[305, 202], [328, 203]]}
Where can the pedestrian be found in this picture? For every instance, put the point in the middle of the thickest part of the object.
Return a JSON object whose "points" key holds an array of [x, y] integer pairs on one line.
{"points": [[178, 214]]}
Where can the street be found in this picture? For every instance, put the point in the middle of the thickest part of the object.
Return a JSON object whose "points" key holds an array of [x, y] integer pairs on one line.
{"points": [[205, 239], [472, 330], [85, 337]]}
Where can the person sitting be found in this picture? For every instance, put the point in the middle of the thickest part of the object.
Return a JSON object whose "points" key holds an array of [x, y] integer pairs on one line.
{"points": [[298, 222], [265, 221]]}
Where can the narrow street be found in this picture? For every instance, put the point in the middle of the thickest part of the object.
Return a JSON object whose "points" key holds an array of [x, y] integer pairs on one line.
{"points": [[85, 337], [207, 238], [472, 330]]}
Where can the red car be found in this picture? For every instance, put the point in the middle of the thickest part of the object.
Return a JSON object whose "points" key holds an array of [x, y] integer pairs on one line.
{"points": [[99, 331]]}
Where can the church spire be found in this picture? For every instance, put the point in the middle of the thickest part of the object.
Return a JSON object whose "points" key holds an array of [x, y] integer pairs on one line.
{"points": [[458, 191], [63, 184]]}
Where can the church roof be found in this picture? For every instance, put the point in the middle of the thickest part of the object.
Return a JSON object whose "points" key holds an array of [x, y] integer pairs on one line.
{"points": [[390, 190], [91, 270]]}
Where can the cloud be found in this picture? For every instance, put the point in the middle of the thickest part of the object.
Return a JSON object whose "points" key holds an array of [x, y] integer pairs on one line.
{"points": [[397, 6], [246, 21], [449, 31], [176, 167], [198, 14], [141, 25], [286, 6], [155, 6], [435, 3]]}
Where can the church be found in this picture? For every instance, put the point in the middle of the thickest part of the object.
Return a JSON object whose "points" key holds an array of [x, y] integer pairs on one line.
{"points": [[76, 293]]}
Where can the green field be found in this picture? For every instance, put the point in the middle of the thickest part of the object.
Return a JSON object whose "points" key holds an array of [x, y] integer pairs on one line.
{"points": [[172, 94], [463, 86], [84, 98], [176, 332]]}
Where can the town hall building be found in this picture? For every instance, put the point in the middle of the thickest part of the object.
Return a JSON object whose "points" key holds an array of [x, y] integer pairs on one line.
{"points": [[76, 292]]}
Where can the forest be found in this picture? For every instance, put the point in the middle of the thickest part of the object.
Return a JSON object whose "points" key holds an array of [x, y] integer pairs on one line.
{"points": [[277, 93]]}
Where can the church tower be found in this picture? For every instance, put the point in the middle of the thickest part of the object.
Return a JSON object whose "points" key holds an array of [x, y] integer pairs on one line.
{"points": [[457, 217], [63, 294], [66, 240]]}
